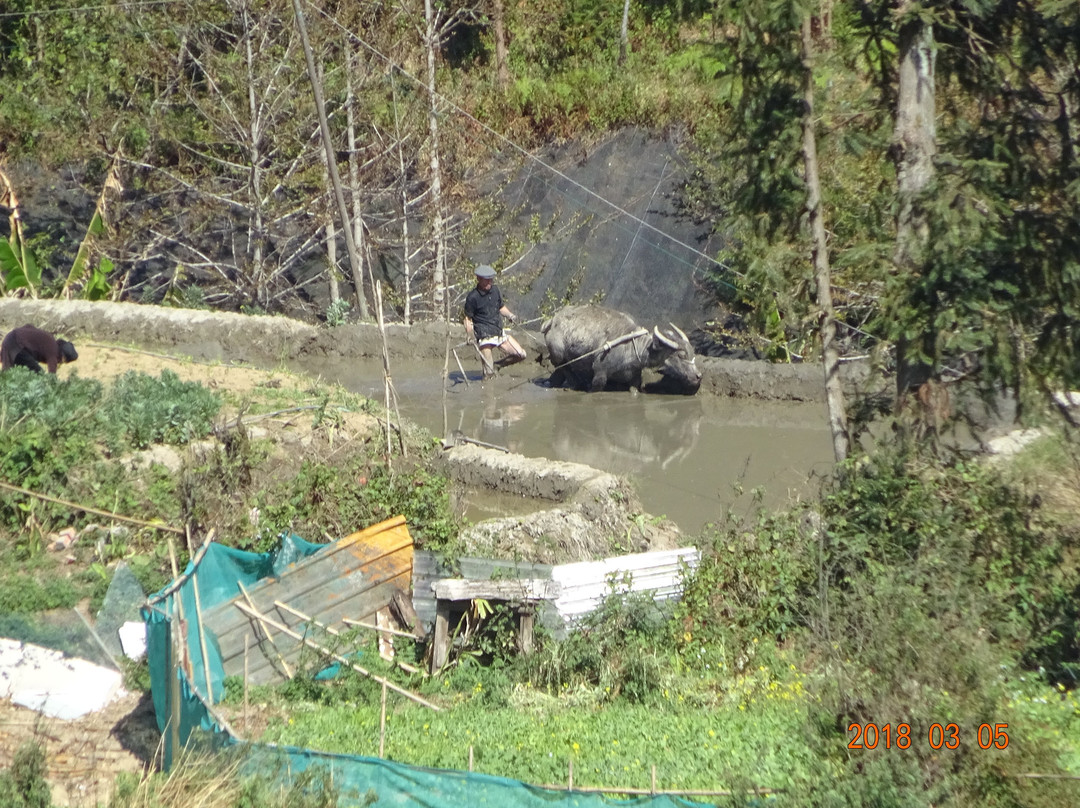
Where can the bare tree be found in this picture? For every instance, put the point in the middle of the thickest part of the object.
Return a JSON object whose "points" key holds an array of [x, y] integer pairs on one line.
{"points": [[914, 144], [834, 392], [438, 278], [498, 21], [246, 161]]}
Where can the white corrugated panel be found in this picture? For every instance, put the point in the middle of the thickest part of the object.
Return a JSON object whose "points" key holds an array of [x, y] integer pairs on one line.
{"points": [[586, 583]]}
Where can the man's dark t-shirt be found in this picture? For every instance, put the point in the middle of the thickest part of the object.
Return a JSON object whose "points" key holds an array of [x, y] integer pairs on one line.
{"points": [[27, 345], [483, 309]]}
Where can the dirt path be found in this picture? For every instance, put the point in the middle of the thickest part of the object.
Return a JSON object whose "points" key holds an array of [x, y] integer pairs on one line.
{"points": [[85, 755]]}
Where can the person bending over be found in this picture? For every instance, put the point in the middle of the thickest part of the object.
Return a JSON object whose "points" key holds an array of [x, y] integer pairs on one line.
{"points": [[484, 310], [28, 346]]}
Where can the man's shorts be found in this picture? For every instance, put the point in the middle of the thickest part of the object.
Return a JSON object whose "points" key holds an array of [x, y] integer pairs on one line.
{"points": [[492, 342]]}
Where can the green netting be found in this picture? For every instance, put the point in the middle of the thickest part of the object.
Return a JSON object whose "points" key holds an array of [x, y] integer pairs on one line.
{"points": [[218, 571], [354, 777]]}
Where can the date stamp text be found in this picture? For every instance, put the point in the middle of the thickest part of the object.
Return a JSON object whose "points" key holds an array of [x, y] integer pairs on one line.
{"points": [[936, 736]]}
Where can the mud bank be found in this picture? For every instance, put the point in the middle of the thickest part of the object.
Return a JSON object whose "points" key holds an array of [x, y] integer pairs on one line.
{"points": [[265, 340], [591, 507]]}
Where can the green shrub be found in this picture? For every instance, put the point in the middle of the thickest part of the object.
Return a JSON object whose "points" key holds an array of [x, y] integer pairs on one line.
{"points": [[342, 499], [617, 649], [23, 593], [142, 410], [23, 785]]}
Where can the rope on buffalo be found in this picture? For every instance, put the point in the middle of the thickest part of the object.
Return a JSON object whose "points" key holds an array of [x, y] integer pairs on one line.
{"points": [[607, 346]]}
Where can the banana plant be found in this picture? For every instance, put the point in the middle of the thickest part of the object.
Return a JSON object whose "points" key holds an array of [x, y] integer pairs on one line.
{"points": [[18, 267], [93, 281]]}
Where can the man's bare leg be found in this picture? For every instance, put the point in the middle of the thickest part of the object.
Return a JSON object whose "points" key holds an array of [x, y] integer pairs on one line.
{"points": [[513, 350], [485, 359]]}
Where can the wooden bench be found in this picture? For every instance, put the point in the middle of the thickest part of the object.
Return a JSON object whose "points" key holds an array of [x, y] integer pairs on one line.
{"points": [[523, 594]]}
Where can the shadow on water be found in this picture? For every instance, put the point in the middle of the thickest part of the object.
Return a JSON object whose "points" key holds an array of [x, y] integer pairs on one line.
{"points": [[689, 457]]}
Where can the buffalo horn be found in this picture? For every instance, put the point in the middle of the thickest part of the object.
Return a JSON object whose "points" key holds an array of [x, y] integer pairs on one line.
{"points": [[679, 331], [663, 340]]}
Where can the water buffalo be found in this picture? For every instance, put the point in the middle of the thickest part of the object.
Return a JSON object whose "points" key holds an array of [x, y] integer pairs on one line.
{"points": [[592, 347]]}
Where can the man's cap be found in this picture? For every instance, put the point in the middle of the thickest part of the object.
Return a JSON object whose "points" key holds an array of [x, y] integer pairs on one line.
{"points": [[484, 271]]}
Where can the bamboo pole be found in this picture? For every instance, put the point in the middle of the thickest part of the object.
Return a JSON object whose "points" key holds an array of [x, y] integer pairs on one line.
{"points": [[174, 687], [181, 623], [247, 724], [266, 631], [382, 721], [337, 657], [95, 511], [350, 622], [202, 637], [334, 632], [179, 581]]}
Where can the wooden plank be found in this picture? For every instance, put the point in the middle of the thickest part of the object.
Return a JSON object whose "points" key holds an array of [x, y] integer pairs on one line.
{"points": [[354, 578], [486, 569], [262, 667], [359, 605], [340, 572], [502, 589], [440, 643], [362, 547]]}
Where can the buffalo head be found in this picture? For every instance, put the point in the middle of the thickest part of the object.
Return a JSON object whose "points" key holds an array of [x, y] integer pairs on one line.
{"points": [[673, 355]]}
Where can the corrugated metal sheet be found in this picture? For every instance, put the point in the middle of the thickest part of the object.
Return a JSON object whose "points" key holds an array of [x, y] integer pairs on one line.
{"points": [[354, 577], [583, 584], [586, 583]]}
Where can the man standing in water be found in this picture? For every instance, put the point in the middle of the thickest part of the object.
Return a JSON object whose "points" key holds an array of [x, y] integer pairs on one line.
{"points": [[484, 310]]}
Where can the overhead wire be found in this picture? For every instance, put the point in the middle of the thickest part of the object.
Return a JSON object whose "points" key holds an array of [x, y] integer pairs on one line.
{"points": [[525, 153], [642, 223]]}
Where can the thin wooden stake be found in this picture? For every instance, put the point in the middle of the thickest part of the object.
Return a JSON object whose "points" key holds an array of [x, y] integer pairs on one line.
{"points": [[382, 722], [470, 758], [247, 726], [202, 637], [464, 375], [652, 788], [253, 612], [266, 631], [570, 778]]}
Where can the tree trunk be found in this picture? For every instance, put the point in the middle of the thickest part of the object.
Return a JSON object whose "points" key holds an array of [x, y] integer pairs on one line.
{"points": [[498, 19], [255, 223], [331, 157], [834, 391], [914, 144], [438, 226], [624, 33], [403, 180], [352, 67]]}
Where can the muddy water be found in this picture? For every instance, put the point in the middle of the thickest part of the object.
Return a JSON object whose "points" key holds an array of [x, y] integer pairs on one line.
{"points": [[689, 458]]}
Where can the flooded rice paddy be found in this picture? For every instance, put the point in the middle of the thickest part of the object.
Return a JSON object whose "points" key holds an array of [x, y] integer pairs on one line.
{"points": [[691, 459]]}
